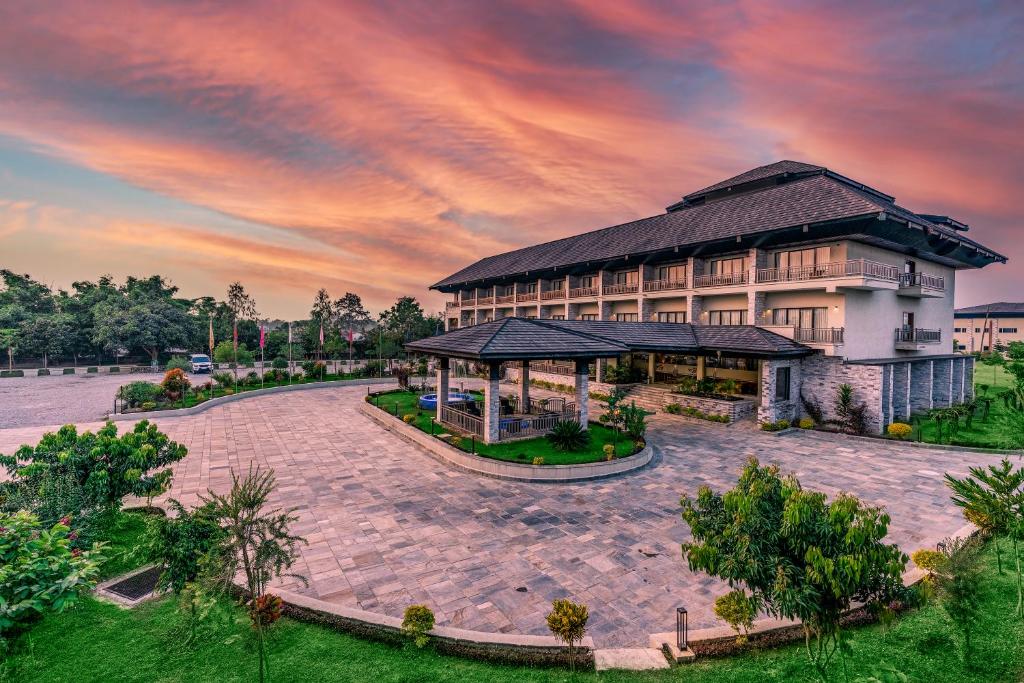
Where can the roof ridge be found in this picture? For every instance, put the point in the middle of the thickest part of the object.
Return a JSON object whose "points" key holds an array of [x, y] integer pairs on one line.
{"points": [[547, 324], [497, 328]]}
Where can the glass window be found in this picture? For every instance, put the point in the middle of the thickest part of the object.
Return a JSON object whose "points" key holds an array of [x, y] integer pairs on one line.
{"points": [[557, 285], [531, 287], [627, 277], [729, 266], [558, 317], [673, 273], [737, 317], [588, 316], [782, 384], [627, 317], [587, 281], [671, 316], [1007, 330], [799, 258], [807, 318]]}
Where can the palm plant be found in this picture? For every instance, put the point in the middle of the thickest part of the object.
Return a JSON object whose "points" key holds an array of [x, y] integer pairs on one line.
{"points": [[569, 435], [256, 542]]}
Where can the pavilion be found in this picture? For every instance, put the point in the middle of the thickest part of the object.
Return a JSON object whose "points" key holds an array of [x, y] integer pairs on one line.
{"points": [[583, 342]]}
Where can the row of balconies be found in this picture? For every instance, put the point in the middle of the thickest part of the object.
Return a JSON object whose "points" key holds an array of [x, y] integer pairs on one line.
{"points": [[908, 284]]}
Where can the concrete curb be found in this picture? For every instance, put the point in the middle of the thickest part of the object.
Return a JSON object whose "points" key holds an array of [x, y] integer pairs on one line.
{"points": [[221, 400], [913, 444], [499, 469]]}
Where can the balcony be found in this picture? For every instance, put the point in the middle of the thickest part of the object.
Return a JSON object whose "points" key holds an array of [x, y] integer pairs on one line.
{"points": [[484, 300], [467, 301], [916, 339], [506, 299], [663, 285], [580, 292], [819, 335], [853, 274], [451, 304], [922, 286], [526, 296], [720, 279], [609, 290], [552, 294]]}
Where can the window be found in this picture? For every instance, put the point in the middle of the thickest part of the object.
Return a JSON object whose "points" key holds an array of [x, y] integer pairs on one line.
{"points": [[977, 330], [557, 285], [804, 318], [908, 320], [729, 266], [738, 317], [627, 277], [910, 267], [782, 384], [672, 316], [961, 330], [588, 316], [587, 281], [531, 288], [800, 258], [674, 273], [558, 317], [627, 317], [1007, 330]]}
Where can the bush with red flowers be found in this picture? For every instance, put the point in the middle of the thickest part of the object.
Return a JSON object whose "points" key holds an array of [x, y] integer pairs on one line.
{"points": [[175, 383]]}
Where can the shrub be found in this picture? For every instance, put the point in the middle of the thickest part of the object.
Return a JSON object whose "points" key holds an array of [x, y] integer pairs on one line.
{"points": [[852, 415], [42, 372], [114, 369], [179, 363], [275, 375], [229, 391], [737, 610], [313, 368], [12, 373], [39, 570], [568, 435], [373, 368], [417, 622], [177, 543], [68, 371], [567, 622], [175, 383], [931, 561], [899, 430], [539, 460], [673, 409], [408, 418], [609, 451], [280, 363], [806, 423], [224, 352], [92, 369], [225, 379], [634, 421], [456, 441], [782, 424], [137, 393], [148, 405]]}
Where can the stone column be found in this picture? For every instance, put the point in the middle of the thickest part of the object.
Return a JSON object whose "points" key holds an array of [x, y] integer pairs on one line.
{"points": [[942, 382], [582, 377], [694, 309], [968, 378], [921, 386], [650, 367], [755, 306], [700, 367], [901, 392], [492, 403], [524, 387], [443, 366]]}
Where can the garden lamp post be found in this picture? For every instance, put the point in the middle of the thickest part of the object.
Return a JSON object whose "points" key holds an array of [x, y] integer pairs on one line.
{"points": [[681, 628]]}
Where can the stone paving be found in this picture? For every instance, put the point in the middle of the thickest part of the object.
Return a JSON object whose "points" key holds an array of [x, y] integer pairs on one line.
{"points": [[388, 526]]}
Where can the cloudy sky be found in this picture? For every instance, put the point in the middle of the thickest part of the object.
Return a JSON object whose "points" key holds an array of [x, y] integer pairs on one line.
{"points": [[376, 147]]}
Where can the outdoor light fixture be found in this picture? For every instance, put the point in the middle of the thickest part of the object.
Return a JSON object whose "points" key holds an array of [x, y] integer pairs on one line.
{"points": [[681, 625]]}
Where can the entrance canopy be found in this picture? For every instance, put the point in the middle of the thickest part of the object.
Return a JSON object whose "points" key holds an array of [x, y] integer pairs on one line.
{"points": [[532, 339]]}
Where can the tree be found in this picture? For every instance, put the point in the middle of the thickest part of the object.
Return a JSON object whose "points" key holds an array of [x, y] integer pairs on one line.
{"points": [[567, 621], [956, 573], [797, 555], [145, 316], [992, 499], [22, 301], [350, 313], [256, 542], [39, 570], [405, 322]]}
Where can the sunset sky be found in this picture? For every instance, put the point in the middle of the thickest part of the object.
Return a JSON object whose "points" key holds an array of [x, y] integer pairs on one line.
{"points": [[376, 147]]}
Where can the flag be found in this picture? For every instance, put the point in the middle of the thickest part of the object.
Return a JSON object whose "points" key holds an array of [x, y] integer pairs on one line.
{"points": [[289, 333], [211, 335], [263, 335], [234, 332], [321, 334], [350, 336]]}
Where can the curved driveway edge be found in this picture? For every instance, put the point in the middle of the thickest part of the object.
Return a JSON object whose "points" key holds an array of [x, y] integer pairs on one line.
{"points": [[500, 469], [221, 400]]}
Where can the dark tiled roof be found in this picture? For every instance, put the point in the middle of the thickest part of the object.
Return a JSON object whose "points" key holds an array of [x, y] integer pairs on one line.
{"points": [[997, 308], [517, 338], [819, 197], [759, 173], [522, 338]]}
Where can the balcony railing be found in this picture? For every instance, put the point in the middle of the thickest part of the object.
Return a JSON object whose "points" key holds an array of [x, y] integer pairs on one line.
{"points": [[854, 268], [720, 280], [819, 335], [506, 299], [922, 280], [468, 300], [918, 335], [631, 288], [577, 292], [552, 294], [515, 427], [451, 304], [485, 301], [663, 285], [462, 421], [526, 296]]}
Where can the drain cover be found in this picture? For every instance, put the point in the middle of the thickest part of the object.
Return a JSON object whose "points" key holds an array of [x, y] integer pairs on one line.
{"points": [[137, 586]]}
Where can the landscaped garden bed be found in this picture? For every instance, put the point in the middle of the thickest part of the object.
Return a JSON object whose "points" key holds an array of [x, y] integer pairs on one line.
{"points": [[404, 405]]}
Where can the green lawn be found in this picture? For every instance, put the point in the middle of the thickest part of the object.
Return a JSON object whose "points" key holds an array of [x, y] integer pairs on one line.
{"points": [[406, 403], [102, 642], [983, 433]]}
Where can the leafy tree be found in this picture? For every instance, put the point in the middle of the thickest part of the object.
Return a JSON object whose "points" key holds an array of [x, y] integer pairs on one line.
{"points": [[323, 310], [737, 610], [567, 621], [22, 301], [992, 498], [146, 316], [405, 322], [257, 542], [224, 352], [797, 555], [39, 570], [956, 573]]}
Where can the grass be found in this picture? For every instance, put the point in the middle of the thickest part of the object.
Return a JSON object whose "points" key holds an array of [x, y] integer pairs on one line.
{"points": [[982, 434], [406, 403], [102, 642], [122, 537]]}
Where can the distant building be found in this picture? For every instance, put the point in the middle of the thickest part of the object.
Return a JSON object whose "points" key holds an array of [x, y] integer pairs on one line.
{"points": [[980, 328]]}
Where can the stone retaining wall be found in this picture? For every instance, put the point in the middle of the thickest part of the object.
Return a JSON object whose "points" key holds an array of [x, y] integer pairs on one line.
{"points": [[512, 375], [734, 410]]}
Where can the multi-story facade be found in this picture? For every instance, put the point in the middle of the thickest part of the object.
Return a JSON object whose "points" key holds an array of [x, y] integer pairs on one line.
{"points": [[791, 247], [982, 328]]}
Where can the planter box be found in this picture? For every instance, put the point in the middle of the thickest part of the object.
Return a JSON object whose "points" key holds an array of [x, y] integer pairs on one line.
{"points": [[69, 371], [734, 410], [42, 372], [12, 373]]}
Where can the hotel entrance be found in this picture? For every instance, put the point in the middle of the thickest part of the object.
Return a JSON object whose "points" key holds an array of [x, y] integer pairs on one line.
{"points": [[732, 375]]}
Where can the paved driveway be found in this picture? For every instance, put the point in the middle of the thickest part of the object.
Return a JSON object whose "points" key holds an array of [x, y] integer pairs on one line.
{"points": [[389, 526]]}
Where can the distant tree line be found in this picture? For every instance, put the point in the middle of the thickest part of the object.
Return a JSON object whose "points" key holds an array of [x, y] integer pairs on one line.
{"points": [[145, 318]]}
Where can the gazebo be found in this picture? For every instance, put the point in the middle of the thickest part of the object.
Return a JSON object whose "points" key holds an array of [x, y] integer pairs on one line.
{"points": [[522, 340]]}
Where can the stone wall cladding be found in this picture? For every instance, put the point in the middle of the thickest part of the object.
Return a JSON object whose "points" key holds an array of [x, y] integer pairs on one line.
{"points": [[901, 392], [920, 386], [968, 378], [942, 382], [772, 410], [958, 380], [821, 376], [734, 410]]}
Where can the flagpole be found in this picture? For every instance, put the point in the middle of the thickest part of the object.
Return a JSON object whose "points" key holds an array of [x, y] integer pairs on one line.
{"points": [[263, 360], [291, 368]]}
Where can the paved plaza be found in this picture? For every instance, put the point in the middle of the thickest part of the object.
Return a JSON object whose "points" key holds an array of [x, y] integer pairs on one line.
{"points": [[389, 526]]}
